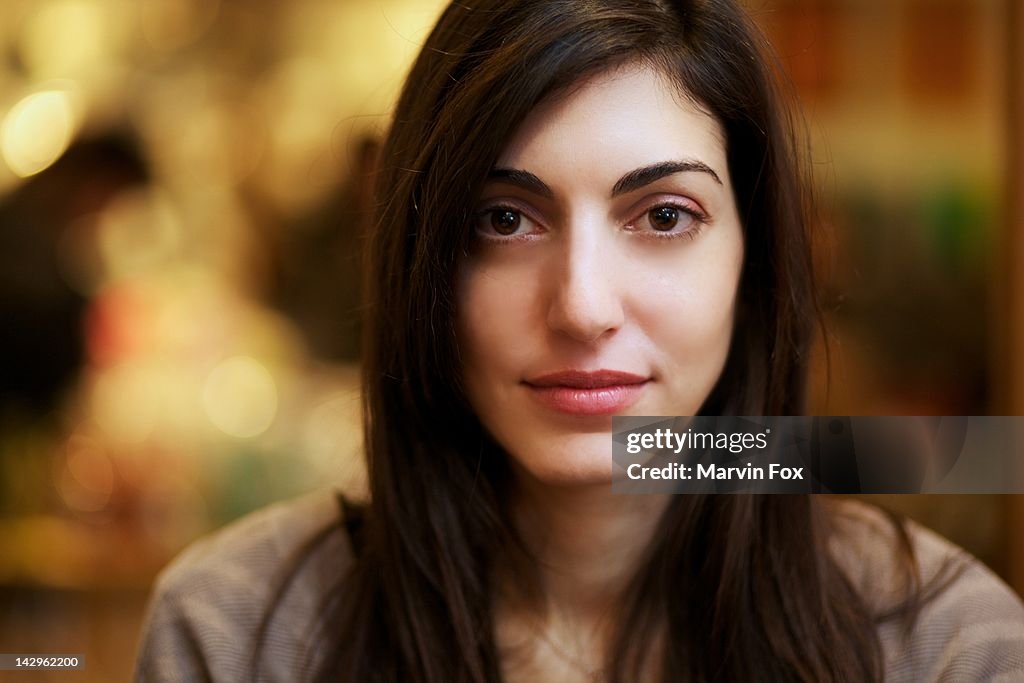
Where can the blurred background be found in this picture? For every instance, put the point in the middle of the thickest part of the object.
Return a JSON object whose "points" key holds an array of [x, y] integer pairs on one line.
{"points": [[183, 185]]}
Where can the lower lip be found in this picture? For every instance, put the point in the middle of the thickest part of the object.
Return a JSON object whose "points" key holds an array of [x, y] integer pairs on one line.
{"points": [[597, 401]]}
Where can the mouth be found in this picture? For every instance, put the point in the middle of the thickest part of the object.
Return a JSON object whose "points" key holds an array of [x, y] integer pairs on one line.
{"points": [[579, 392]]}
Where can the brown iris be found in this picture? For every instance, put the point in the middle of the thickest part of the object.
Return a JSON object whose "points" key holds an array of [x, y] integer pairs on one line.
{"points": [[504, 221], [664, 218]]}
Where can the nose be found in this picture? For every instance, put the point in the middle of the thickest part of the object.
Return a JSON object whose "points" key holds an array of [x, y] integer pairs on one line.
{"points": [[585, 303]]}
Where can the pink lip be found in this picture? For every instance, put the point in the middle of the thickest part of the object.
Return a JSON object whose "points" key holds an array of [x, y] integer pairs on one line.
{"points": [[577, 392]]}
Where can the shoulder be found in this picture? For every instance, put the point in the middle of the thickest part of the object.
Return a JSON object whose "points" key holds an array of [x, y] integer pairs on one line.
{"points": [[970, 625], [208, 604]]}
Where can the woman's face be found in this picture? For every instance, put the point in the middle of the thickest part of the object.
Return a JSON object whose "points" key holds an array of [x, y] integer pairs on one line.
{"points": [[603, 276]]}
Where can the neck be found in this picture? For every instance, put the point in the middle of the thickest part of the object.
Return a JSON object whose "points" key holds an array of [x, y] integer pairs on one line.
{"points": [[587, 542], [583, 545]]}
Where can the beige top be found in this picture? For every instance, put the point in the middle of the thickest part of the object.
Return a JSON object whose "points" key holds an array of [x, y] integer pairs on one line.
{"points": [[207, 604]]}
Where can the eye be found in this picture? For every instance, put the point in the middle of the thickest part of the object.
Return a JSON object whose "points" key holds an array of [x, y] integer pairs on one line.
{"points": [[670, 220], [500, 222]]}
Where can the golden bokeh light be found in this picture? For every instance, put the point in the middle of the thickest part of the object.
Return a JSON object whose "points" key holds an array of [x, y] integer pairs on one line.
{"points": [[37, 130], [240, 397]]}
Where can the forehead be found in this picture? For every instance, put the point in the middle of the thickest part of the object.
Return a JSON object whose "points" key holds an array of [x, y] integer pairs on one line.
{"points": [[611, 122]]}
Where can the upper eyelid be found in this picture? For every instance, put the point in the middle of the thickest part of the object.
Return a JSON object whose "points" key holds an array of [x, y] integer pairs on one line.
{"points": [[655, 197], [503, 201], [493, 204]]}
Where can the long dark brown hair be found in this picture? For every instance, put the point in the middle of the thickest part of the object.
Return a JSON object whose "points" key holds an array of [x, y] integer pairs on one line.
{"points": [[743, 587]]}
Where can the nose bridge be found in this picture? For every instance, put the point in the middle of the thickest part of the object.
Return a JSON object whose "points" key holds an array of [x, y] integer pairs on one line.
{"points": [[586, 302]]}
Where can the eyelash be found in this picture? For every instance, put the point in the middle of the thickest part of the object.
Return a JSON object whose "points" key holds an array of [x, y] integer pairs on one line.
{"points": [[700, 220]]}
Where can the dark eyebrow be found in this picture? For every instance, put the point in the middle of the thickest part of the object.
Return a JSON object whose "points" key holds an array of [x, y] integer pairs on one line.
{"points": [[640, 177], [522, 179], [633, 180]]}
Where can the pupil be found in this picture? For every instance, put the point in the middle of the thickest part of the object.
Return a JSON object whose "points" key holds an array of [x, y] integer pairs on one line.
{"points": [[505, 222], [664, 217]]}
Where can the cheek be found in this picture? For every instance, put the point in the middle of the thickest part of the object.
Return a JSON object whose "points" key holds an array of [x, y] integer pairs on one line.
{"points": [[495, 309], [689, 317], [689, 314]]}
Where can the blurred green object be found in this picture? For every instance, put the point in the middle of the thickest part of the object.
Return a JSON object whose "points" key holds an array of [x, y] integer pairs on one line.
{"points": [[958, 221]]}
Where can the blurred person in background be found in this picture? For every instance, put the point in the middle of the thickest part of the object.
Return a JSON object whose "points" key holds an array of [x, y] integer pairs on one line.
{"points": [[43, 345], [584, 208]]}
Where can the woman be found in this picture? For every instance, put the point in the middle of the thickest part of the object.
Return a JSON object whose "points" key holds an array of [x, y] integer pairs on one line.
{"points": [[586, 208]]}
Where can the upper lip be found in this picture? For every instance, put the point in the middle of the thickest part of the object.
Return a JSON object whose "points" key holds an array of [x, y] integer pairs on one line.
{"points": [[584, 379]]}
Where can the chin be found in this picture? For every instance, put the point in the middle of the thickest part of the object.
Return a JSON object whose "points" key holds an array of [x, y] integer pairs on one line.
{"points": [[572, 460]]}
